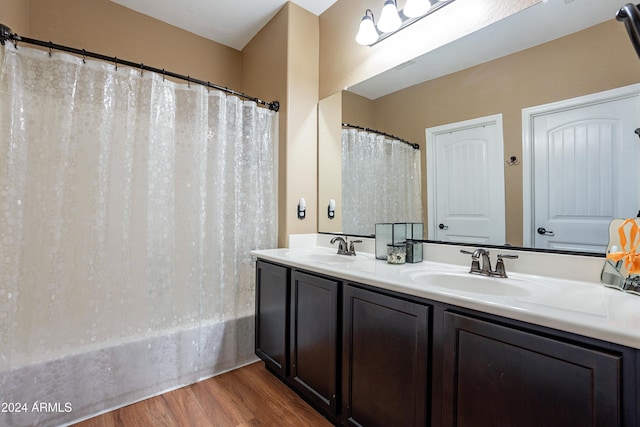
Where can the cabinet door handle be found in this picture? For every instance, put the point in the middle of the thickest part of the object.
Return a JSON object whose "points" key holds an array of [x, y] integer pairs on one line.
{"points": [[544, 232], [443, 227]]}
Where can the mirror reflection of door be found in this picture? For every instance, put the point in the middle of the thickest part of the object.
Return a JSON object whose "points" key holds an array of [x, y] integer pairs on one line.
{"points": [[465, 181], [584, 169]]}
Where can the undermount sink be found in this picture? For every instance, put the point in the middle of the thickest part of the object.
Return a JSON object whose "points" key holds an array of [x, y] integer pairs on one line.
{"points": [[465, 282]]}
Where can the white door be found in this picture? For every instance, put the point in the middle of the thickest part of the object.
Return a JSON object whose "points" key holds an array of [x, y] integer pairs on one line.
{"points": [[585, 172], [465, 182]]}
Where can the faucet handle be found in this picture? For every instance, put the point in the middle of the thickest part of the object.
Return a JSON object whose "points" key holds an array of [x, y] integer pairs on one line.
{"points": [[476, 253], [352, 249], [475, 261], [473, 254], [500, 270]]}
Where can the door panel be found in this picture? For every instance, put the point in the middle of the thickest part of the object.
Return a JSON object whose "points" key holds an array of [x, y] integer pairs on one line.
{"points": [[580, 155], [272, 316], [496, 376], [314, 339], [465, 162], [385, 360]]}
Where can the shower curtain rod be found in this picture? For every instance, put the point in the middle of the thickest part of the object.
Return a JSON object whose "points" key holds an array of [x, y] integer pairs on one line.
{"points": [[6, 34], [347, 125]]}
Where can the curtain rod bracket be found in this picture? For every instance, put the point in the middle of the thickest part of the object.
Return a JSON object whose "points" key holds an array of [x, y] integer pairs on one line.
{"points": [[5, 34]]}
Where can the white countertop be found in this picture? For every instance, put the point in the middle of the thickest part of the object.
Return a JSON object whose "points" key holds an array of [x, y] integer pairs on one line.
{"points": [[581, 307]]}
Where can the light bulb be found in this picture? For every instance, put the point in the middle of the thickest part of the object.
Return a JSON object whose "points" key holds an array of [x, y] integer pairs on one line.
{"points": [[415, 8], [367, 33], [389, 18]]}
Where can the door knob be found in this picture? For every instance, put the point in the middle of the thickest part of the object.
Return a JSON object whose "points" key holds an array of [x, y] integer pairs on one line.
{"points": [[443, 227], [544, 232]]}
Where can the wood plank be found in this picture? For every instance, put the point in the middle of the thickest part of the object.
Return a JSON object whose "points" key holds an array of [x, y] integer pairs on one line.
{"points": [[246, 397]]}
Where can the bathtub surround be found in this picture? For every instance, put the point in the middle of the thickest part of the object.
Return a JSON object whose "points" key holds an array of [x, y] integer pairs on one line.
{"points": [[128, 207], [104, 377]]}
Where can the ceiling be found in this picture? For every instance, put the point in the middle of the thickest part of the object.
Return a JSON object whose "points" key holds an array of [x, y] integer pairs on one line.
{"points": [[232, 23]]}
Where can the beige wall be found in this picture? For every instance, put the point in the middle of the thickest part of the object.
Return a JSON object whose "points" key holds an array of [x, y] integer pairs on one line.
{"points": [[105, 27], [329, 161], [281, 62], [358, 110], [343, 62], [593, 60], [15, 15], [302, 129], [264, 75]]}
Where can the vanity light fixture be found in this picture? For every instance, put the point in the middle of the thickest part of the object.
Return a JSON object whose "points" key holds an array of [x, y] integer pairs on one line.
{"points": [[393, 20], [389, 18], [331, 209], [415, 8], [367, 34]]}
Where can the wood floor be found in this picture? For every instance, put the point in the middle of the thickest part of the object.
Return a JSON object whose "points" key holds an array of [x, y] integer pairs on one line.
{"points": [[249, 396]]}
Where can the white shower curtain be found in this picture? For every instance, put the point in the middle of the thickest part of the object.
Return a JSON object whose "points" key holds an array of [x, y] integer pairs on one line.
{"points": [[380, 181], [128, 207]]}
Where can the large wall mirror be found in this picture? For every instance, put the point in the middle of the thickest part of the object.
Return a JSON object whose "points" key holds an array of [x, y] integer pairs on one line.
{"points": [[550, 52]]}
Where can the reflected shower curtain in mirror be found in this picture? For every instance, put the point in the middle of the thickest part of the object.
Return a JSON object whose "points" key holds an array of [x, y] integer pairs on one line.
{"points": [[380, 181], [128, 207]]}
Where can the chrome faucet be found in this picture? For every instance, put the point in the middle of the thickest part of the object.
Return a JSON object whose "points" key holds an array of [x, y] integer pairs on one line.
{"points": [[344, 246], [485, 270], [475, 262]]}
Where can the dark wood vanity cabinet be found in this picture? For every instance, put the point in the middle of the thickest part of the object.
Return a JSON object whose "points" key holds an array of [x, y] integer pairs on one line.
{"points": [[314, 339], [384, 360], [370, 357], [494, 375], [272, 316]]}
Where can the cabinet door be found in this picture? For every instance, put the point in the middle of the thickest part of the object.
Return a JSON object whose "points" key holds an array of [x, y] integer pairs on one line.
{"points": [[272, 316], [384, 360], [496, 376], [314, 338]]}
